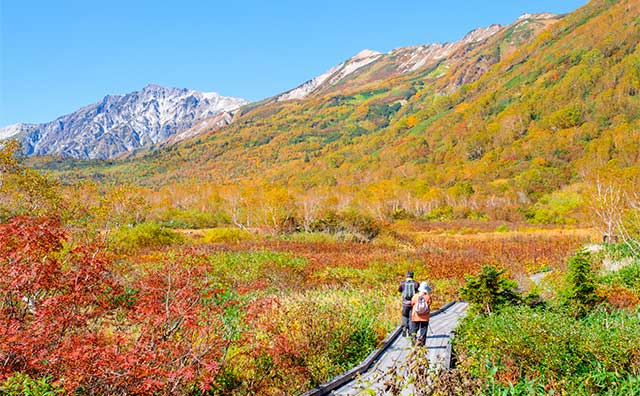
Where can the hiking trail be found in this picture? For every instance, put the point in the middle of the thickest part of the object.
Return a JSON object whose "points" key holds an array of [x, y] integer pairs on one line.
{"points": [[372, 374]]}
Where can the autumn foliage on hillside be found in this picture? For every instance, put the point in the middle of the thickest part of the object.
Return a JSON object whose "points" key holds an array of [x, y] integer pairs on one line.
{"points": [[523, 141]]}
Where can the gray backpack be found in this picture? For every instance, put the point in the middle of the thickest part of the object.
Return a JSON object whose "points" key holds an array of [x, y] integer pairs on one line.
{"points": [[407, 292]]}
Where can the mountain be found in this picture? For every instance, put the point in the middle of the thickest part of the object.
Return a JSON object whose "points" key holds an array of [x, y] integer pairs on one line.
{"points": [[120, 123], [12, 130], [514, 125], [359, 106], [369, 66], [209, 124]]}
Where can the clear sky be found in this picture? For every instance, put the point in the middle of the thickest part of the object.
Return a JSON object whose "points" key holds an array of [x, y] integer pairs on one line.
{"points": [[57, 56]]}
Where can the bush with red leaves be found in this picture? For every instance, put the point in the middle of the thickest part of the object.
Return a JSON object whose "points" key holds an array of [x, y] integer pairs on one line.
{"points": [[63, 314]]}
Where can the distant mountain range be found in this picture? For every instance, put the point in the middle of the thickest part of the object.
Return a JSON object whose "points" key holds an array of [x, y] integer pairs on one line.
{"points": [[120, 123], [159, 116]]}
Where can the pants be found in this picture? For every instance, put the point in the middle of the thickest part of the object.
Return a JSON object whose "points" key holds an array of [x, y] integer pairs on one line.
{"points": [[406, 320], [421, 329]]}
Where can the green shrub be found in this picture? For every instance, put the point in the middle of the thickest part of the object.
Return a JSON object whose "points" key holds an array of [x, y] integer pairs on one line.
{"points": [[364, 227], [226, 235], [618, 251], [581, 278], [631, 225], [360, 226], [489, 291], [190, 218], [443, 213], [559, 207], [628, 276], [567, 117], [502, 228], [128, 239], [542, 350], [401, 214], [23, 384]]}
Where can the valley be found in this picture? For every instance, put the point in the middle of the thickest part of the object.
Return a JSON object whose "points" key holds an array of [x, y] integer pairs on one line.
{"points": [[175, 242]]}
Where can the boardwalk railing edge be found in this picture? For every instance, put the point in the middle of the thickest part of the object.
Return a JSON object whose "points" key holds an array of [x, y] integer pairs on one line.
{"points": [[365, 365]]}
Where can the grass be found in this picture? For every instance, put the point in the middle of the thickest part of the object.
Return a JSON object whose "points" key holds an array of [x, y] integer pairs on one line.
{"points": [[525, 350], [225, 235], [550, 349]]}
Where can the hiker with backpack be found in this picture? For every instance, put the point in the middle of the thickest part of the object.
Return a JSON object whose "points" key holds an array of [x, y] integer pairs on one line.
{"points": [[408, 288], [421, 303]]}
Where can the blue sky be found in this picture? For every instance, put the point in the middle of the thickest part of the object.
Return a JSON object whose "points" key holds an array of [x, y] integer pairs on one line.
{"points": [[57, 56]]}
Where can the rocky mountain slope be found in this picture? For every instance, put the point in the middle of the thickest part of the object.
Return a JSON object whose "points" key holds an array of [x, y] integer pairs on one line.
{"points": [[370, 66], [120, 123], [332, 76]]}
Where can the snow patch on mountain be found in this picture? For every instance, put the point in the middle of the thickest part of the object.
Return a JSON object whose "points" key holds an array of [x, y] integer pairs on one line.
{"points": [[539, 16], [333, 75], [414, 58], [13, 130], [210, 124]]}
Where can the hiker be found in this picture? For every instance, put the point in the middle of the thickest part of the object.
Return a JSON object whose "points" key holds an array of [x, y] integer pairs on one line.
{"points": [[408, 288], [421, 303]]}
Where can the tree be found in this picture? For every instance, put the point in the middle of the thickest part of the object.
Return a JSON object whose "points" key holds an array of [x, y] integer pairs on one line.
{"points": [[608, 206], [24, 191], [309, 207], [47, 307], [489, 291], [582, 284], [121, 205], [631, 225]]}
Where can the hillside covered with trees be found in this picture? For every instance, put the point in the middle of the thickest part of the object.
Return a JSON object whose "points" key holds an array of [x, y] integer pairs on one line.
{"points": [[548, 107]]}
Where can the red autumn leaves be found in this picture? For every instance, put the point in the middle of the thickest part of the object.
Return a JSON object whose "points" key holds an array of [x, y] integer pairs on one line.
{"points": [[65, 314]]}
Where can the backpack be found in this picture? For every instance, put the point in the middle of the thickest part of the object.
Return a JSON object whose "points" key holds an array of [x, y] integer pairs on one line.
{"points": [[422, 308], [408, 291]]}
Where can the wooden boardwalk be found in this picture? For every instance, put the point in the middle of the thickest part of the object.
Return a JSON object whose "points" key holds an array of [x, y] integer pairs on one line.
{"points": [[439, 336]]}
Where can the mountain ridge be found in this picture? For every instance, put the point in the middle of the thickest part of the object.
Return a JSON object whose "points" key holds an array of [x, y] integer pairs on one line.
{"points": [[97, 139], [121, 123], [414, 58]]}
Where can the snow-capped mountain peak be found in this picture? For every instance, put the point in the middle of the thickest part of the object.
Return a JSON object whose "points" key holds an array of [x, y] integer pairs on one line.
{"points": [[120, 123], [365, 53]]}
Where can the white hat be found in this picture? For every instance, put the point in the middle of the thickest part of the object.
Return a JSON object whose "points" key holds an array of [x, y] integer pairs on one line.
{"points": [[424, 288]]}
